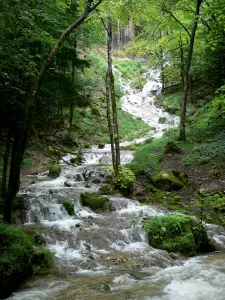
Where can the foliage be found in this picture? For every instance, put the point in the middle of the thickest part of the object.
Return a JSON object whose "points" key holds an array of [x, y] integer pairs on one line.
{"points": [[124, 177], [42, 260], [177, 233], [129, 68], [15, 257], [216, 109], [210, 207], [27, 162]]}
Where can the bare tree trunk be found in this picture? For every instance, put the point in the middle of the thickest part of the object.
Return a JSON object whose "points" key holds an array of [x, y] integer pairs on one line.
{"points": [[21, 135], [181, 60], [186, 72], [112, 95], [6, 163], [162, 65], [111, 135]]}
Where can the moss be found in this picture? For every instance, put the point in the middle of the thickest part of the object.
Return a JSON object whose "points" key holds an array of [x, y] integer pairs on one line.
{"points": [[162, 120], [169, 180], [106, 189], [18, 203], [94, 201], [176, 233], [42, 260], [54, 170], [172, 148], [69, 207], [15, 258]]}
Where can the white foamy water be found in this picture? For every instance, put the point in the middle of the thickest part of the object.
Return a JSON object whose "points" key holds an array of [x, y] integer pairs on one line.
{"points": [[108, 253]]}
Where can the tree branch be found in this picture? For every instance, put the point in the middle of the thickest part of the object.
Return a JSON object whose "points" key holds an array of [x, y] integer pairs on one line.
{"points": [[177, 20]]}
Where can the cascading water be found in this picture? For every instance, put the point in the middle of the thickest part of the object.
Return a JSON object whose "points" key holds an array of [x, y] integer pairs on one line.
{"points": [[106, 256]]}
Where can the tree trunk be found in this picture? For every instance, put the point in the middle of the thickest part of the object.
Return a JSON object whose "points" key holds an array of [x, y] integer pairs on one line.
{"points": [[6, 163], [21, 135], [108, 104], [181, 60], [18, 149], [112, 95], [186, 73]]}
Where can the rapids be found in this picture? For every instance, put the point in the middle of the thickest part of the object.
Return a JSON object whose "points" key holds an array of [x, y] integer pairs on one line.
{"points": [[106, 256]]}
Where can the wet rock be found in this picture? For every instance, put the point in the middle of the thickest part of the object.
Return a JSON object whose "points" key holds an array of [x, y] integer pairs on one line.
{"points": [[78, 177], [162, 120], [101, 145], [101, 287], [67, 184], [50, 191], [170, 180]]}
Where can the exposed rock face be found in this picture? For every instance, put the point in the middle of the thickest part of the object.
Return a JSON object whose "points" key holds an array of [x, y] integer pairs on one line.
{"points": [[170, 180]]}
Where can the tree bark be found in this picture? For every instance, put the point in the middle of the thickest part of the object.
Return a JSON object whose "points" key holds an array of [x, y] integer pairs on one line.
{"points": [[113, 96], [186, 73], [22, 133], [181, 60], [111, 135]]}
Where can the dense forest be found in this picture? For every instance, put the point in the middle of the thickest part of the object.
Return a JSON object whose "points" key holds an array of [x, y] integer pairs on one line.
{"points": [[123, 103]]}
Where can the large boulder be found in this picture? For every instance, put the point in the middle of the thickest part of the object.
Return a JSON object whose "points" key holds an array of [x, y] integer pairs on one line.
{"points": [[95, 201], [169, 180], [177, 233]]}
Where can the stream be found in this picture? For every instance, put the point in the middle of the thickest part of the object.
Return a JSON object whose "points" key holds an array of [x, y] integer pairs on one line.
{"points": [[106, 256]]}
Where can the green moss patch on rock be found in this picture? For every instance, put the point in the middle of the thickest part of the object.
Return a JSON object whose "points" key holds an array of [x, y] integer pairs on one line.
{"points": [[95, 201], [15, 258], [69, 207], [169, 180], [54, 170], [106, 189], [177, 233], [172, 148]]}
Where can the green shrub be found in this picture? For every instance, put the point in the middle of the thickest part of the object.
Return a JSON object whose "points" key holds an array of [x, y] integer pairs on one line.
{"points": [[106, 189], [27, 162], [177, 233], [15, 258], [124, 177], [129, 68], [94, 201]]}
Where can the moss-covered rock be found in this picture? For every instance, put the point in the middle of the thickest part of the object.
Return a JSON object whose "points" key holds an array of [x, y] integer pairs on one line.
{"points": [[78, 159], [15, 258], [177, 233], [101, 145], [54, 170], [172, 148], [95, 201], [169, 180], [162, 120], [106, 189], [69, 207]]}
